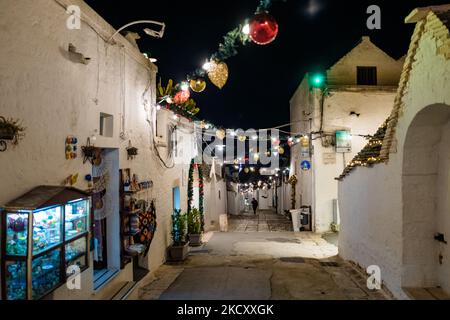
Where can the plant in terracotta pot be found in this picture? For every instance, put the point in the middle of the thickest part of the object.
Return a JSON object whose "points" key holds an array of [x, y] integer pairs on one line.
{"points": [[194, 228], [11, 130], [180, 248]]}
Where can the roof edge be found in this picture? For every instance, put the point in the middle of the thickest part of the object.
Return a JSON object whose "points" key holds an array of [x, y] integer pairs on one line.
{"points": [[420, 13]]}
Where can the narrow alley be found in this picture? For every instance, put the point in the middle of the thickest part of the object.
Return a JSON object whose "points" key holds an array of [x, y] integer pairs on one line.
{"points": [[260, 259], [269, 150]]}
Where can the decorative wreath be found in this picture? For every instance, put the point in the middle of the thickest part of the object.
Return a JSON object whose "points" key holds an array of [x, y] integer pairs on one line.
{"points": [[148, 224]]}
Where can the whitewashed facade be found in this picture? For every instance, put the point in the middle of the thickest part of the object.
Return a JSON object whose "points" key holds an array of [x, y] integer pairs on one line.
{"points": [[348, 106], [56, 96], [392, 212]]}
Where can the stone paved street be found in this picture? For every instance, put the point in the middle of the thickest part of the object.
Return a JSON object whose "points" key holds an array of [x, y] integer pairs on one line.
{"points": [[265, 220], [250, 262]]}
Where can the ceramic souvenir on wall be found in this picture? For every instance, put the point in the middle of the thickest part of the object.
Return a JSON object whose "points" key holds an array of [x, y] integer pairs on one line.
{"points": [[71, 148]]}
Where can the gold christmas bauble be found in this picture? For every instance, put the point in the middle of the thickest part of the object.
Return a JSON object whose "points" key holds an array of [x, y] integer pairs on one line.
{"points": [[218, 73], [304, 142], [246, 170], [220, 134], [197, 85], [242, 138], [280, 150]]}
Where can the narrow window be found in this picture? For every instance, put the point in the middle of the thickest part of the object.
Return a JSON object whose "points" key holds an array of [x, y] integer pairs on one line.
{"points": [[106, 125], [367, 76]]}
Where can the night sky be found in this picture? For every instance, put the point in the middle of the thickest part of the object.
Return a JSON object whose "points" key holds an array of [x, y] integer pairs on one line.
{"points": [[313, 35]]}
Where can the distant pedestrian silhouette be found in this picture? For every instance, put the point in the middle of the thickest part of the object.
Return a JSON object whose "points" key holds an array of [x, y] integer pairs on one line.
{"points": [[254, 205]]}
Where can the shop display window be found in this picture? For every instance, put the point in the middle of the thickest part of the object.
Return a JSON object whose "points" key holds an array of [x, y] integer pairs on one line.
{"points": [[76, 218], [46, 229], [46, 273], [16, 234], [43, 233], [16, 279], [76, 250]]}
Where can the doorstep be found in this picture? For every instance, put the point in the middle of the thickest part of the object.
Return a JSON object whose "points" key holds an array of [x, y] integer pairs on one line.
{"points": [[103, 277], [426, 294], [125, 291]]}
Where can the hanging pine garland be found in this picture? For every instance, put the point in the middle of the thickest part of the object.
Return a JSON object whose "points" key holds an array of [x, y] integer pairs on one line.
{"points": [[232, 41], [192, 167], [191, 186], [201, 195], [293, 182]]}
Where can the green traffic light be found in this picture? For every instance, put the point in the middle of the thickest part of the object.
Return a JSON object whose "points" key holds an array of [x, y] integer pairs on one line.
{"points": [[318, 80]]}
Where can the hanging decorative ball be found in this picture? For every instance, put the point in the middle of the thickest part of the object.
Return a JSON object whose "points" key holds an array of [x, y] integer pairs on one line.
{"points": [[218, 73], [242, 138], [304, 142], [246, 170], [181, 97], [197, 85], [263, 28], [220, 134], [275, 142], [280, 150]]}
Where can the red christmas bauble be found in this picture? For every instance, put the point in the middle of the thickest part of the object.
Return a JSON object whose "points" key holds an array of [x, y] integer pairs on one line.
{"points": [[181, 97], [263, 28]]}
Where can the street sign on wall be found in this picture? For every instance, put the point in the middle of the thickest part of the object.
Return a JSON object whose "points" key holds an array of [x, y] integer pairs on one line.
{"points": [[305, 165], [343, 141], [329, 158]]}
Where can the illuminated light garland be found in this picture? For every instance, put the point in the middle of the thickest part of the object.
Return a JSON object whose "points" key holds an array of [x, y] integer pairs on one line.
{"points": [[192, 167], [369, 155]]}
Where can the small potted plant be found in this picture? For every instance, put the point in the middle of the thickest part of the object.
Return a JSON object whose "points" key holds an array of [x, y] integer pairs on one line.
{"points": [[194, 228], [11, 130], [179, 250]]}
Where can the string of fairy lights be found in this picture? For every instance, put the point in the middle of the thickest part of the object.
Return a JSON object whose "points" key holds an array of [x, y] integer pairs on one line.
{"points": [[261, 29]]}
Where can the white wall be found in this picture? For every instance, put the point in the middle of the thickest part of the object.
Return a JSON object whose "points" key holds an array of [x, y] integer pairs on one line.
{"points": [[370, 231], [374, 107], [442, 224], [263, 199], [55, 97], [371, 199], [215, 203], [317, 187]]}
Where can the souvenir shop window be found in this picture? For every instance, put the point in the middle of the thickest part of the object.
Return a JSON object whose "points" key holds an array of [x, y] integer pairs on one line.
{"points": [[46, 229], [76, 218], [42, 233]]}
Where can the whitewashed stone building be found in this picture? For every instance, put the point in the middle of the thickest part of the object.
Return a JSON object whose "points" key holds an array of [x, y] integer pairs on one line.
{"points": [[395, 212], [357, 96], [111, 100]]}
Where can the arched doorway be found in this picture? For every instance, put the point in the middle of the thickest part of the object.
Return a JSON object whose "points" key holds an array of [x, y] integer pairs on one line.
{"points": [[196, 189], [426, 204]]}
